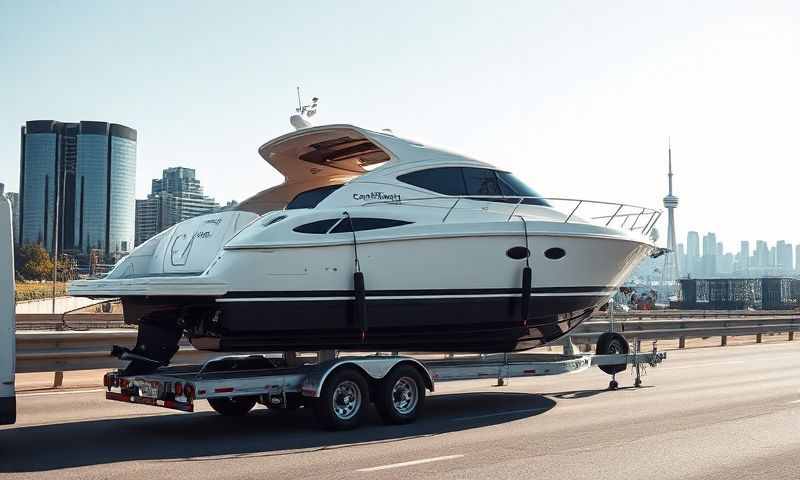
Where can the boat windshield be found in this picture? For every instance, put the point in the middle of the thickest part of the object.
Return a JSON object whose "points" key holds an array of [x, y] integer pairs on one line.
{"points": [[311, 198], [468, 181]]}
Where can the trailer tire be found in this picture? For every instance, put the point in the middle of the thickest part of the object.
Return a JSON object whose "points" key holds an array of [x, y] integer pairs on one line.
{"points": [[400, 396], [232, 406], [343, 401], [612, 343]]}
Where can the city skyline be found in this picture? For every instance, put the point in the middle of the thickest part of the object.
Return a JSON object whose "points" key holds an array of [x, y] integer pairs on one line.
{"points": [[705, 256], [583, 111]]}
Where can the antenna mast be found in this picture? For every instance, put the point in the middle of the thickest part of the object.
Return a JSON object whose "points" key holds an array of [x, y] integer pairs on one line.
{"points": [[298, 121], [299, 103]]}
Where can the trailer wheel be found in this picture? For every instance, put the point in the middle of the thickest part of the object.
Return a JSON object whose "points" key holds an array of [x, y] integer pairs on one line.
{"points": [[611, 343], [400, 395], [232, 406], [343, 400]]}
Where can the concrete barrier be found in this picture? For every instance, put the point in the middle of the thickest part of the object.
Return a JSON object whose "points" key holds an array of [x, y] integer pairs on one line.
{"points": [[45, 305]]}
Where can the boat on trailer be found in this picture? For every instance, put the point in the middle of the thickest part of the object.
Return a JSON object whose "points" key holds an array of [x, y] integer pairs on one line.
{"points": [[376, 242]]}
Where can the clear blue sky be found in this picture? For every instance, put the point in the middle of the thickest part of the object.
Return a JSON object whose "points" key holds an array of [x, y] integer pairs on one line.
{"points": [[577, 98]]}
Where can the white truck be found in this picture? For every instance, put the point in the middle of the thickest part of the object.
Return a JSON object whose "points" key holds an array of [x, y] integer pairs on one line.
{"points": [[8, 407]]}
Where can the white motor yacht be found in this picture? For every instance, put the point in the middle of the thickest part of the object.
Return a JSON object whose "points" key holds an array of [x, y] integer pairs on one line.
{"points": [[376, 242]]}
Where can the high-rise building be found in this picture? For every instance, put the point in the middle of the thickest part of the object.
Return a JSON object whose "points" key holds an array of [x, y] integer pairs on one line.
{"points": [[709, 254], [761, 255], [88, 171], [725, 264], [784, 254], [744, 255], [175, 197], [797, 258], [693, 253], [682, 258]]}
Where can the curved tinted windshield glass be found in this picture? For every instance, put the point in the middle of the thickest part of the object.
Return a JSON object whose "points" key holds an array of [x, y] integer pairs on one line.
{"points": [[311, 198], [513, 186]]}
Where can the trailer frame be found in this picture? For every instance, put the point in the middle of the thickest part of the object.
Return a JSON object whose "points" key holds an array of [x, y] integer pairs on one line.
{"points": [[264, 379]]}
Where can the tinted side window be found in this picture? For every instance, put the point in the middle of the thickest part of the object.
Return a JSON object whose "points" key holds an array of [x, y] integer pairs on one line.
{"points": [[481, 181], [360, 224], [311, 198], [445, 180], [320, 226]]}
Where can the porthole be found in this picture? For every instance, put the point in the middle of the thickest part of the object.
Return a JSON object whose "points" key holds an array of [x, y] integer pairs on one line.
{"points": [[554, 253], [517, 253]]}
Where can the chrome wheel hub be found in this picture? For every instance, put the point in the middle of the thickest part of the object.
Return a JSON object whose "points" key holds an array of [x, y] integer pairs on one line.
{"points": [[346, 400], [405, 395]]}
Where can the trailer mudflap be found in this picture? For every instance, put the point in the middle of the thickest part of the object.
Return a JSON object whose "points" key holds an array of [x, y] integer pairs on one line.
{"points": [[154, 402]]}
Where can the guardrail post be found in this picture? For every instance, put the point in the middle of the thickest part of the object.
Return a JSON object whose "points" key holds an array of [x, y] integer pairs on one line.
{"points": [[791, 336], [682, 342], [502, 381], [758, 338], [58, 380], [724, 341]]}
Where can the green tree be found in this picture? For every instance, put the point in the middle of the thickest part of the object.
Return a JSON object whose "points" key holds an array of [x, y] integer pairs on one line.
{"points": [[32, 262]]}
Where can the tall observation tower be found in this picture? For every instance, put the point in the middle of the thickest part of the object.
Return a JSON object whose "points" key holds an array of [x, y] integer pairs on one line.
{"points": [[669, 274]]}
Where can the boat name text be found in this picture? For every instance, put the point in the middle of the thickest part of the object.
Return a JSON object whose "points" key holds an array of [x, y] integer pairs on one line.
{"points": [[395, 197]]}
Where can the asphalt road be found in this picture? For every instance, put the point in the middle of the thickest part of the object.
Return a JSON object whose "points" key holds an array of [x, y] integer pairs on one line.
{"points": [[710, 413]]}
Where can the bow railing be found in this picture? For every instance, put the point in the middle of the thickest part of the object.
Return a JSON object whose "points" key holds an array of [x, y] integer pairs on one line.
{"points": [[576, 210]]}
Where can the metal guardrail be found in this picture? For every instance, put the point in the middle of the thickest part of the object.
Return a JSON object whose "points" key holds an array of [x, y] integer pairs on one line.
{"points": [[691, 314], [53, 351], [73, 321], [61, 350]]}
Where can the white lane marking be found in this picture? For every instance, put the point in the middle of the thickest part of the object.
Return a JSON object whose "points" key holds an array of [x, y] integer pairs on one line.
{"points": [[411, 463], [702, 365], [793, 401], [498, 414], [65, 392]]}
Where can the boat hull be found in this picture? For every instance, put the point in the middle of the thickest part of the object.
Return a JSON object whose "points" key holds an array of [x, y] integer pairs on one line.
{"points": [[482, 321], [485, 321]]}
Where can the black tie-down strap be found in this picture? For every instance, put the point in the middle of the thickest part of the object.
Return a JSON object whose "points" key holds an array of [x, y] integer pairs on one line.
{"points": [[527, 277], [359, 287]]}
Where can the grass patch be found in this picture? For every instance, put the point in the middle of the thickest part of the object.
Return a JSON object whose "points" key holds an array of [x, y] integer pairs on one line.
{"points": [[36, 290]]}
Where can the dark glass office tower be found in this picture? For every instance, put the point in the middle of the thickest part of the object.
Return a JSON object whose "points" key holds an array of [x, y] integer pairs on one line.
{"points": [[91, 166]]}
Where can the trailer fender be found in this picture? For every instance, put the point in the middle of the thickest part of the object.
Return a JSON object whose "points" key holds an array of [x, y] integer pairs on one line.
{"points": [[375, 368]]}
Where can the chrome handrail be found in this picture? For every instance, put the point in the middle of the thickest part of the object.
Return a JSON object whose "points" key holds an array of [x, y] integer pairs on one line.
{"points": [[652, 214]]}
